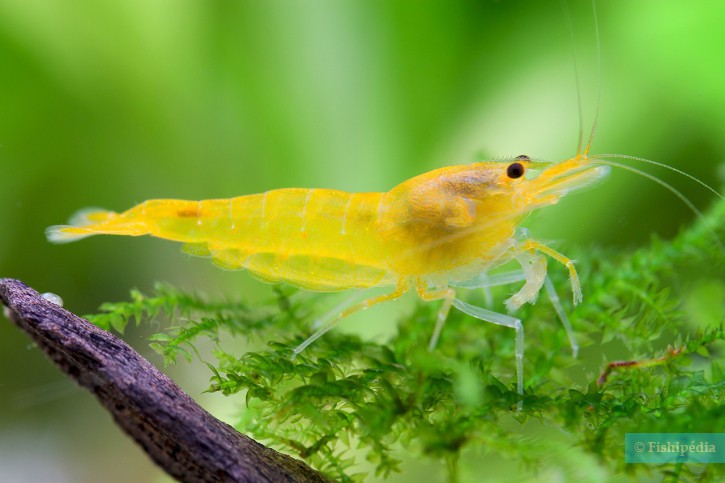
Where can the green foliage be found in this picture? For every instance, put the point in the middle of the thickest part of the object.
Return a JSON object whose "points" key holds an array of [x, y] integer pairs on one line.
{"points": [[345, 399]]}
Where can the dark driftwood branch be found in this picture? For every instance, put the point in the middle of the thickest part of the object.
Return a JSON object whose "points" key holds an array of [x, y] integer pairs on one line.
{"points": [[181, 437]]}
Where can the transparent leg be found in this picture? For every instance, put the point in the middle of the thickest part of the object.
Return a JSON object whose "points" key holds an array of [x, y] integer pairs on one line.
{"points": [[554, 298], [399, 291], [576, 289], [484, 280], [504, 278], [337, 310], [534, 268], [506, 321], [447, 294]]}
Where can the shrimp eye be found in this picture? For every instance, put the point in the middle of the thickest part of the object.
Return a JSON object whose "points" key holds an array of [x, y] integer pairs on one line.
{"points": [[523, 157], [515, 170]]}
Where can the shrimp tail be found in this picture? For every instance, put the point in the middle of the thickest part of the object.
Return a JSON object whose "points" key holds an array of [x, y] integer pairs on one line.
{"points": [[84, 223]]}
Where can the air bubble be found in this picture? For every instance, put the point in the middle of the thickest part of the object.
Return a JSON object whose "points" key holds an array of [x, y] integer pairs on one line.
{"points": [[53, 298]]}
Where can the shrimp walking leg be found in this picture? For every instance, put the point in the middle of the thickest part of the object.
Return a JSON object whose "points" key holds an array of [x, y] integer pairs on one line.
{"points": [[534, 268], [506, 321], [337, 310], [576, 289], [484, 280], [448, 295], [399, 291], [554, 299], [504, 278]]}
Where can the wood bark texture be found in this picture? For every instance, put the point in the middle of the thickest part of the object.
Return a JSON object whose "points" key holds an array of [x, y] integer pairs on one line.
{"points": [[179, 435]]}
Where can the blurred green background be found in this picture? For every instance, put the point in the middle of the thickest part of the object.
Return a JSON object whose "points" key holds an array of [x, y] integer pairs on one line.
{"points": [[108, 103]]}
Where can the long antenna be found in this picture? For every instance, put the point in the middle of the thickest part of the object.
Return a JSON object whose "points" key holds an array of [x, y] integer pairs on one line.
{"points": [[595, 123], [572, 37], [672, 189], [666, 166], [599, 78]]}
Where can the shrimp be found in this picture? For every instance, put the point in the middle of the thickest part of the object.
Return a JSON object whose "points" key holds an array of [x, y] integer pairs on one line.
{"points": [[435, 232]]}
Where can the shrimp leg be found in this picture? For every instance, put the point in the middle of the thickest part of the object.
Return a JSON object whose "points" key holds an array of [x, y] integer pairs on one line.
{"points": [[336, 310], [506, 321], [534, 268], [533, 271], [447, 294], [484, 280], [400, 290], [504, 278], [554, 299], [576, 290]]}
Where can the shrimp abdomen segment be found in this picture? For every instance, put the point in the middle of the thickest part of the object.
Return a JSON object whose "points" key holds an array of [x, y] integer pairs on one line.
{"points": [[316, 239]]}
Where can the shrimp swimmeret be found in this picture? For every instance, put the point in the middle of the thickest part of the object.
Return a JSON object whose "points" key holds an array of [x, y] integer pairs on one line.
{"points": [[434, 232]]}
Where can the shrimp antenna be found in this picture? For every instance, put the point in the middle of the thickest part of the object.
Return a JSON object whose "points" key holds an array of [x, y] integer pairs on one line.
{"points": [[599, 78], [672, 189], [666, 166], [572, 37], [580, 141]]}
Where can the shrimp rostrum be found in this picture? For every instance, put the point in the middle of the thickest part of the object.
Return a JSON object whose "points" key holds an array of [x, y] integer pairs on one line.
{"points": [[436, 232]]}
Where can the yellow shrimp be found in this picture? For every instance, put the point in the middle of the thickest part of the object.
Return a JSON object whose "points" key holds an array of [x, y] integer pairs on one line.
{"points": [[433, 232]]}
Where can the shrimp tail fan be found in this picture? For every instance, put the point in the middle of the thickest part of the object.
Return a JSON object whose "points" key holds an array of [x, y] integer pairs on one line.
{"points": [[84, 223]]}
